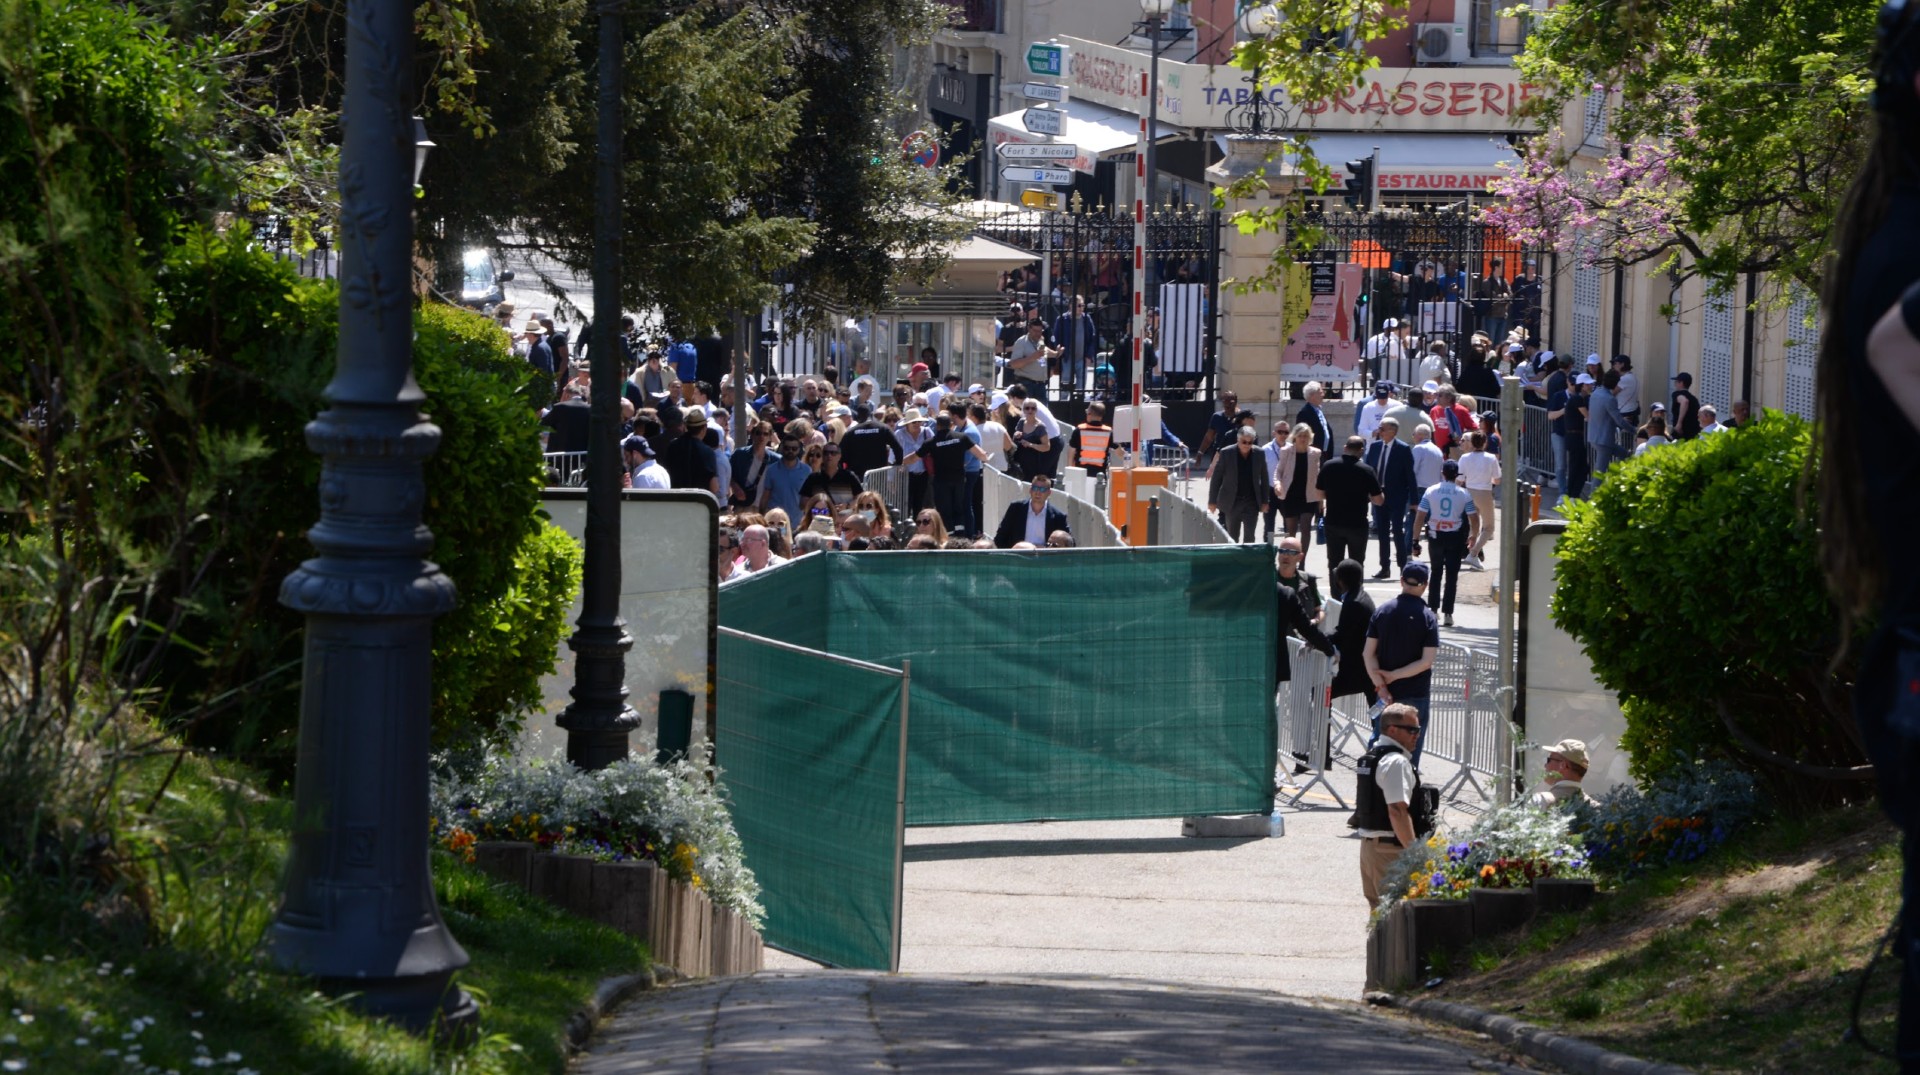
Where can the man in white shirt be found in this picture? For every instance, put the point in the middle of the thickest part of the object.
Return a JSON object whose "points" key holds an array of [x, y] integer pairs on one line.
{"points": [[1710, 419], [643, 470], [757, 554], [1028, 360], [1386, 783], [1387, 353], [1367, 419], [1456, 525]]}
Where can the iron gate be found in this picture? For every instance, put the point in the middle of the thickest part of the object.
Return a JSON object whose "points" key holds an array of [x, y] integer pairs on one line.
{"points": [[1086, 252], [1431, 267]]}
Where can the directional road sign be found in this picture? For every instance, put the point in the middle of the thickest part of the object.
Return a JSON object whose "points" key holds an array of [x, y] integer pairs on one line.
{"points": [[1046, 58], [1044, 91], [1044, 120], [1058, 151], [1058, 177]]}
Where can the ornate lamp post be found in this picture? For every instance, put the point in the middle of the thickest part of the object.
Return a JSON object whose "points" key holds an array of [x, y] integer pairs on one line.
{"points": [[1257, 117], [359, 912], [599, 719]]}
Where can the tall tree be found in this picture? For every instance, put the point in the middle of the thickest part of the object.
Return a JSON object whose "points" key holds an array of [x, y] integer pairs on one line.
{"points": [[878, 217], [1734, 129]]}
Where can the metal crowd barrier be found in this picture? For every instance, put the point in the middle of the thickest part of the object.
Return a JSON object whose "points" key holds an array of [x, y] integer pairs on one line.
{"points": [[1087, 522], [1182, 522], [1463, 719], [1305, 714], [1536, 445], [566, 469]]}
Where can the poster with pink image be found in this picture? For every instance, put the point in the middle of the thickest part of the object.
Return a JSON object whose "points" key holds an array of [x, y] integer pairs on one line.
{"points": [[1325, 344]]}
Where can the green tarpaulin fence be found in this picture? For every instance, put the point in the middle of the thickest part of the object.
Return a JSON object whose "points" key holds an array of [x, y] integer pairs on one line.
{"points": [[809, 746], [1070, 684]]}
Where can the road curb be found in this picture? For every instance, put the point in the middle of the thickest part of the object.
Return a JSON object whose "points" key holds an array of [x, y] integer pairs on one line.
{"points": [[1561, 1050], [609, 993]]}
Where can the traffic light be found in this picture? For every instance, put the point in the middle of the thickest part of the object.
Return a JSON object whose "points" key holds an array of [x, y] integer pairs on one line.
{"points": [[1360, 184]]}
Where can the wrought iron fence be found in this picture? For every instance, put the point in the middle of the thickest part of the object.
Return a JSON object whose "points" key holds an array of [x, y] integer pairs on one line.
{"points": [[318, 262], [1086, 252], [1433, 267]]}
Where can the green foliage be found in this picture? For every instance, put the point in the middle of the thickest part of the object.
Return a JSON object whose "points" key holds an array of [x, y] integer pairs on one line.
{"points": [[1690, 580], [200, 880], [263, 341], [1761, 104]]}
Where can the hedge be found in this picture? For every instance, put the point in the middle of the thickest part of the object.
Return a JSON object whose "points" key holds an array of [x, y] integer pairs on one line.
{"points": [[258, 343], [1691, 579]]}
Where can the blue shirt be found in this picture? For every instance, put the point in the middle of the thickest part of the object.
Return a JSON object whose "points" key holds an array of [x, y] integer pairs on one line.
{"points": [[973, 461], [782, 485]]}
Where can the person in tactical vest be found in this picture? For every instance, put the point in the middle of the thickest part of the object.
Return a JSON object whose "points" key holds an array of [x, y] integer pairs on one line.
{"points": [[1387, 785]]}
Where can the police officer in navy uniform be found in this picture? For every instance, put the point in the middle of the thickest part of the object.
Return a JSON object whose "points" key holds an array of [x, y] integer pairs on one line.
{"points": [[1386, 787]]}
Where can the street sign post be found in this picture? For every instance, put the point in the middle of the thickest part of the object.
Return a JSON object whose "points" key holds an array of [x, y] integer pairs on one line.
{"points": [[1016, 151], [1044, 120], [1057, 177], [1047, 59], [1044, 91], [922, 149]]}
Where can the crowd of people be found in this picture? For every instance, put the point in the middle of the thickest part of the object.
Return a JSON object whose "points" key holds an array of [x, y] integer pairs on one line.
{"points": [[792, 480]]}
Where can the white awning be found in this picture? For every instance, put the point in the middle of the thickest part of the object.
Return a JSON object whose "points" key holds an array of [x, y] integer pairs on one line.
{"points": [[1417, 163], [1098, 131]]}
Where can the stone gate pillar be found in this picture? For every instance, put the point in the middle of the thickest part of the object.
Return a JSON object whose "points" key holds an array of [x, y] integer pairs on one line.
{"points": [[1250, 336]]}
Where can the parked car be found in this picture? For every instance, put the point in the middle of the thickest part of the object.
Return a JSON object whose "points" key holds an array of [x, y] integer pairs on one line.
{"points": [[482, 282]]}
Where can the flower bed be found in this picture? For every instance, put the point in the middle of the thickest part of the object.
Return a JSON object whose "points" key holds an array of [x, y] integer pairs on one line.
{"points": [[645, 848], [1519, 860]]}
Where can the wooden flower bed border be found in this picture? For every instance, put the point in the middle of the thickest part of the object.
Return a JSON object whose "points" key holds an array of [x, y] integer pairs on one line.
{"points": [[685, 929]]}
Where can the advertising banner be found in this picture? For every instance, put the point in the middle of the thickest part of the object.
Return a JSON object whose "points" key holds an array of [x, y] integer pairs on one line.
{"points": [[1325, 344]]}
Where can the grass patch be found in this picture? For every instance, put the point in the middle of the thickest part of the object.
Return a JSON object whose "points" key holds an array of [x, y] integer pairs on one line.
{"points": [[168, 969], [1743, 961]]}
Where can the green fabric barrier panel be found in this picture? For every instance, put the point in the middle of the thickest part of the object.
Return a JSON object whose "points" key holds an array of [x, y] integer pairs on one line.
{"points": [[809, 749], [1076, 684], [798, 616]]}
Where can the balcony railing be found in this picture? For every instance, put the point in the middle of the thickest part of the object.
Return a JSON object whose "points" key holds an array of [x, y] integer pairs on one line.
{"points": [[975, 16]]}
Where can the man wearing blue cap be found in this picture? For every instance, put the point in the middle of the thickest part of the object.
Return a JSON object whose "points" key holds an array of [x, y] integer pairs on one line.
{"points": [[1403, 638]]}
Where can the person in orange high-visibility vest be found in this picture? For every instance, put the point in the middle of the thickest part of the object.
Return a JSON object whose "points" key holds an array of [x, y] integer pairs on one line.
{"points": [[1091, 439]]}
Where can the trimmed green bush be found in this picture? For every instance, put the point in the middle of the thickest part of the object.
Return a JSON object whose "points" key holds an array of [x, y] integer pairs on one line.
{"points": [[1690, 579], [258, 343]]}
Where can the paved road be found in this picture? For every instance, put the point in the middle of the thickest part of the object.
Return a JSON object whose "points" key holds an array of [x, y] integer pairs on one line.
{"points": [[832, 1022]]}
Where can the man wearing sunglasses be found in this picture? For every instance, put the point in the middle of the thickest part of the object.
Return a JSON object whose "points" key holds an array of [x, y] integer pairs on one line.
{"points": [[1033, 521], [1386, 784]]}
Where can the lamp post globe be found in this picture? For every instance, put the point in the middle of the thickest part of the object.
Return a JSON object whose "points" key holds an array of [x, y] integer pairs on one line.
{"points": [[1156, 10], [1260, 21]]}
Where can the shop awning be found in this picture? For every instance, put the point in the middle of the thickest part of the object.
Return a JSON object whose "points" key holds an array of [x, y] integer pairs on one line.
{"points": [[1435, 164], [1098, 131]]}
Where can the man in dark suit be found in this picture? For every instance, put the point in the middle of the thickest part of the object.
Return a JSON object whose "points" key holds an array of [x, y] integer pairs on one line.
{"points": [[1392, 460], [1074, 333], [1023, 521], [1238, 490], [1314, 418]]}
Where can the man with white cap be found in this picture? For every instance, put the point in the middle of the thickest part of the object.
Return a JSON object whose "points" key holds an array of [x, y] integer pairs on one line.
{"points": [[1387, 353], [1367, 418], [1566, 767]]}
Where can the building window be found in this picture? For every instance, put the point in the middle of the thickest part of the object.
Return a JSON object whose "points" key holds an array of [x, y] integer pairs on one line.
{"points": [[1803, 353], [1716, 354], [1496, 33], [1586, 304]]}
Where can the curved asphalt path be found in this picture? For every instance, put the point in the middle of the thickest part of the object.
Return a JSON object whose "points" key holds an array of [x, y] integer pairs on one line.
{"points": [[803, 1022]]}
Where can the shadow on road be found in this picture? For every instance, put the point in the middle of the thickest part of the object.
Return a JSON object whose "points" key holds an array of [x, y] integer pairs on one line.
{"points": [[1003, 849]]}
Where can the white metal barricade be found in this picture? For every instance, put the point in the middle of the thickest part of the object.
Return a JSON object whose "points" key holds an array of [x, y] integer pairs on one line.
{"points": [[1305, 719], [566, 469]]}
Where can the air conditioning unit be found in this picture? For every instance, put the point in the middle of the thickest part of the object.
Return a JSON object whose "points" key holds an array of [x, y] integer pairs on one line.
{"points": [[1440, 42]]}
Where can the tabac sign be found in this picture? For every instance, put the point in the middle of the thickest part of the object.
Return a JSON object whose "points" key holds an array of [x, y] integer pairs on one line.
{"points": [[1431, 99]]}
